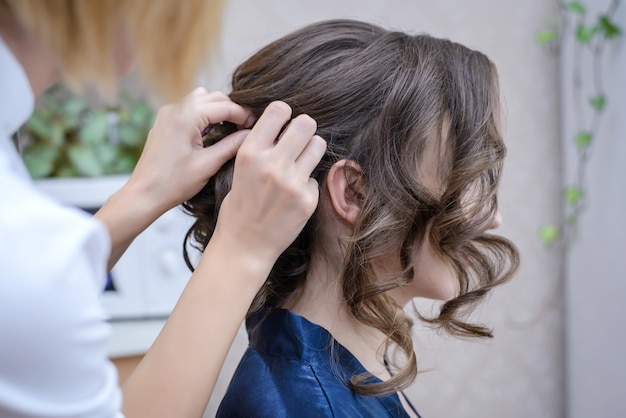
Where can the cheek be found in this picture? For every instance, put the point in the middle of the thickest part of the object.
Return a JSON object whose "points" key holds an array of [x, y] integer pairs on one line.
{"points": [[434, 278]]}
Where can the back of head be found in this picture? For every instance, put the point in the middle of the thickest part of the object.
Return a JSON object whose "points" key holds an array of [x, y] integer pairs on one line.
{"points": [[379, 97], [169, 38]]}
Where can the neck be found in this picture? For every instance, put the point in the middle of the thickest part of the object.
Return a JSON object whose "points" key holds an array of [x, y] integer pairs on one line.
{"points": [[321, 302], [39, 65]]}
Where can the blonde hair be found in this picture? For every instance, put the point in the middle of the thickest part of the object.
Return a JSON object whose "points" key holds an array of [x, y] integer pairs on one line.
{"points": [[171, 40]]}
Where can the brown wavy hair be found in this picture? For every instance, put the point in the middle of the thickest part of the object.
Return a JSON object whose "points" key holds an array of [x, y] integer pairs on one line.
{"points": [[378, 97]]}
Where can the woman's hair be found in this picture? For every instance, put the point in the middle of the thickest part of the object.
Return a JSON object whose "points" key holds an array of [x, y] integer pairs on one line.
{"points": [[379, 97], [168, 37]]}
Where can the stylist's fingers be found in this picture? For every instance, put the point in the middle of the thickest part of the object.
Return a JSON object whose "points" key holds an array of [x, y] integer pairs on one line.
{"points": [[210, 159], [214, 112], [311, 156], [202, 95], [198, 91], [296, 136], [274, 174], [313, 189], [268, 126]]}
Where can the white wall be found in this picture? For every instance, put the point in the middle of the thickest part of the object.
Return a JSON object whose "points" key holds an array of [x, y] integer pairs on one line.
{"points": [[595, 276], [520, 372]]}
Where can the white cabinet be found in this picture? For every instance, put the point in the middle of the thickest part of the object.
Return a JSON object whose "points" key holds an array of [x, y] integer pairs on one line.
{"points": [[150, 276]]}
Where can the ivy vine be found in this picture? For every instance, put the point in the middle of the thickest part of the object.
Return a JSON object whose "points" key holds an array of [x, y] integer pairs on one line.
{"points": [[590, 35]]}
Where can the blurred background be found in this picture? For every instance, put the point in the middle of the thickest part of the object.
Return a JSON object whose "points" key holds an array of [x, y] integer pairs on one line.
{"points": [[559, 333]]}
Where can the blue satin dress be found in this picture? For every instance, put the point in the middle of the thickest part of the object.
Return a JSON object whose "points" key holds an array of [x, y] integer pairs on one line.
{"points": [[293, 368]]}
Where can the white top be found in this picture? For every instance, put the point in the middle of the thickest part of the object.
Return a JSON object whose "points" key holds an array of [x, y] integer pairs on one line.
{"points": [[53, 334]]}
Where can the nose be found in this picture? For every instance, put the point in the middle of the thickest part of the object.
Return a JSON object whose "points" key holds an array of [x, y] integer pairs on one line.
{"points": [[496, 222]]}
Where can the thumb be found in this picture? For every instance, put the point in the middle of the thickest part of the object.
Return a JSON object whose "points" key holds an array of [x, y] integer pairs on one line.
{"points": [[212, 158]]}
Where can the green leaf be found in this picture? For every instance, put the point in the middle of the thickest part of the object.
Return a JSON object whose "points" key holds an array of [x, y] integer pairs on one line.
{"points": [[70, 123], [576, 7], [598, 102], [38, 126], [124, 163], [37, 167], [123, 115], [573, 195], [40, 159], [56, 135], [140, 114], [106, 154], [549, 233], [585, 34], [608, 27], [583, 139], [546, 36], [66, 171], [85, 161], [48, 102], [131, 135], [95, 129], [73, 107]]}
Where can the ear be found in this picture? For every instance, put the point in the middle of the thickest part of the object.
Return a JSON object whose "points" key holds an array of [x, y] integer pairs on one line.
{"points": [[346, 189]]}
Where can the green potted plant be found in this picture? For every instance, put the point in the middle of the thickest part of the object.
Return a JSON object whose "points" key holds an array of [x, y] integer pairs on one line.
{"points": [[66, 137]]}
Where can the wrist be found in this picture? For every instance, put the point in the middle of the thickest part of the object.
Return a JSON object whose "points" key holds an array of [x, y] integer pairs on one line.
{"points": [[139, 211], [244, 265], [128, 212], [148, 198]]}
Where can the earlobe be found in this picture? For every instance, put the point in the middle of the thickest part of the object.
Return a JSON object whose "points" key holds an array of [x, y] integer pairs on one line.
{"points": [[346, 189]]}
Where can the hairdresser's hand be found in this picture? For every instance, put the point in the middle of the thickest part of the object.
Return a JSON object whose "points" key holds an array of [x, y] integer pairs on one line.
{"points": [[174, 165], [273, 195]]}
